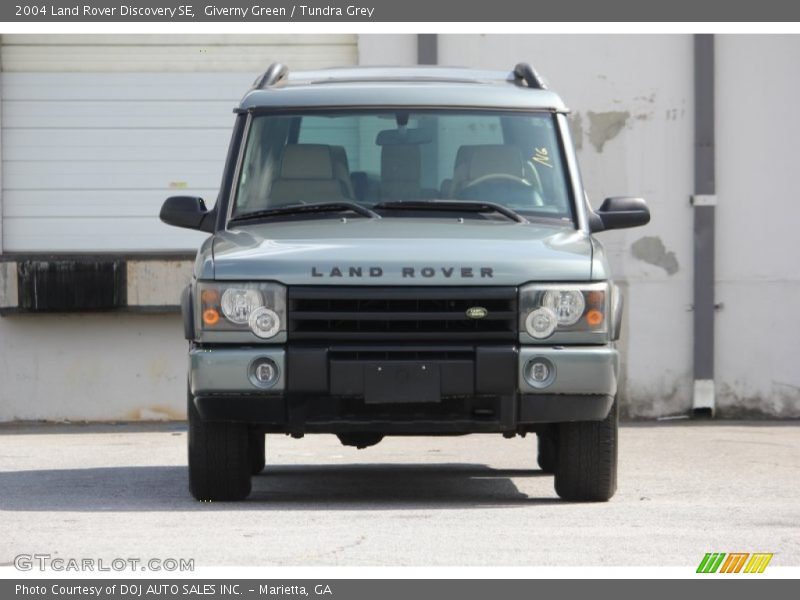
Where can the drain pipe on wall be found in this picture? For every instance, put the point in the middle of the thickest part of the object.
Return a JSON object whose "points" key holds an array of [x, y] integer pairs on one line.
{"points": [[704, 201], [427, 49]]}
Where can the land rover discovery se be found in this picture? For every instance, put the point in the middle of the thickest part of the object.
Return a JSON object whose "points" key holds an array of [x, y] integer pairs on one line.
{"points": [[402, 251]]}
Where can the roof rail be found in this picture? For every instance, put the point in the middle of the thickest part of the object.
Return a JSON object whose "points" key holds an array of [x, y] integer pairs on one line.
{"points": [[523, 72], [275, 74]]}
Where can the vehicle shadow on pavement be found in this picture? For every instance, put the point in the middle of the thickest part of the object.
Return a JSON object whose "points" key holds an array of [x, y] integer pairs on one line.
{"points": [[380, 486], [301, 487]]}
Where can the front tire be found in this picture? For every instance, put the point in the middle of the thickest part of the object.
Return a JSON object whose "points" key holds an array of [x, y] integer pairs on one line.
{"points": [[258, 456], [219, 458], [586, 462], [547, 443]]}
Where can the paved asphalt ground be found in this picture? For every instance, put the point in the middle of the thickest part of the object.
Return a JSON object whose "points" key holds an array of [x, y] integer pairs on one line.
{"points": [[686, 488]]}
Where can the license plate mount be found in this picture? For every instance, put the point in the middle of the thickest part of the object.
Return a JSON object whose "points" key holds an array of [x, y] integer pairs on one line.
{"points": [[402, 382]]}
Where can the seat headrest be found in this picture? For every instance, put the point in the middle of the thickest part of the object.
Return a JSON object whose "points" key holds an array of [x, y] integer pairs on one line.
{"points": [[339, 156], [307, 161]]}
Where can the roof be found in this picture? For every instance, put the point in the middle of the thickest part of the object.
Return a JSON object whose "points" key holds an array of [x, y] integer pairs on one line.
{"points": [[402, 86]]}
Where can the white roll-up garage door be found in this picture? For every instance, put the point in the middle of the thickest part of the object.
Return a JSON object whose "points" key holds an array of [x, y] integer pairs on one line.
{"points": [[98, 130]]}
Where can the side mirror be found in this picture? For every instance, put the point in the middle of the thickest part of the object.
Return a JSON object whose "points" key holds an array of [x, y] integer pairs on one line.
{"points": [[189, 212], [620, 213]]}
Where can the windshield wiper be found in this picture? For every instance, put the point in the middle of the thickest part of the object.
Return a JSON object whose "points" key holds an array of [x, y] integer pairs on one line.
{"points": [[453, 205], [299, 209]]}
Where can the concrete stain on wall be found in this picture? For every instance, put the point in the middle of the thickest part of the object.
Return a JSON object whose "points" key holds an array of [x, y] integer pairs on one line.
{"points": [[738, 400], [667, 395], [155, 413], [575, 121], [651, 250], [605, 126]]}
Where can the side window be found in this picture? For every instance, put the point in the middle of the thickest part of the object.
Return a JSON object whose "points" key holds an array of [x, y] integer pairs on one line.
{"points": [[262, 157]]}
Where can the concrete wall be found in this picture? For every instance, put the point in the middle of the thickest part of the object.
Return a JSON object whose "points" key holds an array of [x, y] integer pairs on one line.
{"points": [[387, 49], [92, 367], [758, 277]]}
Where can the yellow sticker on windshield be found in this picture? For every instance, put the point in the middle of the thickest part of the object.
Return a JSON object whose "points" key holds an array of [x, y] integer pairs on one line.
{"points": [[542, 156]]}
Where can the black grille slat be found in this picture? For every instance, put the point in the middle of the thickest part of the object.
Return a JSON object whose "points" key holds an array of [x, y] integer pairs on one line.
{"points": [[303, 315], [401, 313]]}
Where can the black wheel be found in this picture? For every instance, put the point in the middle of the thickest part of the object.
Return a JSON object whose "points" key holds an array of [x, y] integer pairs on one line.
{"points": [[258, 457], [586, 462], [548, 450], [219, 458]]}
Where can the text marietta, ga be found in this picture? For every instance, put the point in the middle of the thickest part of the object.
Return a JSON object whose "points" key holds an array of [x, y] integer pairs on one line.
{"points": [[138, 590], [188, 10]]}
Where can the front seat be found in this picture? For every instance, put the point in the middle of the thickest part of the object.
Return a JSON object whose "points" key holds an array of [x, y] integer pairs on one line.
{"points": [[474, 162], [307, 174]]}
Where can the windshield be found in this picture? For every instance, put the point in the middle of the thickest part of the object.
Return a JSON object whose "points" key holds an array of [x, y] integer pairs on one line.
{"points": [[377, 158]]}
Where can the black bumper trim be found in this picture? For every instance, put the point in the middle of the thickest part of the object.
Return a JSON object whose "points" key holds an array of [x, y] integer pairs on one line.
{"points": [[554, 408], [322, 369], [250, 408], [293, 414]]}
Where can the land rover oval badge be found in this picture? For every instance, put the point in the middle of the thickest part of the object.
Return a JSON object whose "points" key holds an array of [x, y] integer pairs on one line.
{"points": [[477, 312]]}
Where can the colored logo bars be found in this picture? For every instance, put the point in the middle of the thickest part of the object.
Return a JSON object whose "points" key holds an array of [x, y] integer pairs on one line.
{"points": [[734, 562]]}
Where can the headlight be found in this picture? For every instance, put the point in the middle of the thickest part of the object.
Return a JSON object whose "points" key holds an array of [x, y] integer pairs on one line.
{"points": [[238, 303], [541, 323], [564, 312], [249, 308], [568, 305], [264, 322]]}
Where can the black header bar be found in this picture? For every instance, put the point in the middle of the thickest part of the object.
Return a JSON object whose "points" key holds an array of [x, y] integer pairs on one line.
{"points": [[440, 11]]}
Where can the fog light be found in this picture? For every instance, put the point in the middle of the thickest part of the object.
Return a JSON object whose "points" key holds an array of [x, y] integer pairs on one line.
{"points": [[263, 373], [540, 372]]}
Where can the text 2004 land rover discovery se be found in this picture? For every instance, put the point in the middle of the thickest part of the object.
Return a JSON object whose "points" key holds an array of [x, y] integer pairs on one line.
{"points": [[402, 251]]}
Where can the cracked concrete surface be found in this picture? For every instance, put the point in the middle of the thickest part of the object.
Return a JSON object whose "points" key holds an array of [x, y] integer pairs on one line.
{"points": [[685, 488]]}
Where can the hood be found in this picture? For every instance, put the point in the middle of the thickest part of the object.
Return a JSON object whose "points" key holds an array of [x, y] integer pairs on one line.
{"points": [[404, 251]]}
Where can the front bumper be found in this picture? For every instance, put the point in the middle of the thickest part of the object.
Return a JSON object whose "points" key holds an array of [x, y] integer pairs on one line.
{"points": [[475, 388]]}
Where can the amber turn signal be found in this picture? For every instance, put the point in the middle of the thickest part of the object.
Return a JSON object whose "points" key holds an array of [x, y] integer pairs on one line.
{"points": [[210, 316], [209, 296], [594, 317], [595, 298]]}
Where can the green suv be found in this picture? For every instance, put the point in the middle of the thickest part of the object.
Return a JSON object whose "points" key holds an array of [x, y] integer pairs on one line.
{"points": [[402, 251]]}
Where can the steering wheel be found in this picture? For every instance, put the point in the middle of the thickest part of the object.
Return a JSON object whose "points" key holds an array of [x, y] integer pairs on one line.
{"points": [[497, 178], [537, 180]]}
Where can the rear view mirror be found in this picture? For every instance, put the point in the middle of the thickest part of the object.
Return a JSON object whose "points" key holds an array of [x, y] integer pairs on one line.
{"points": [[620, 213], [394, 137], [189, 212]]}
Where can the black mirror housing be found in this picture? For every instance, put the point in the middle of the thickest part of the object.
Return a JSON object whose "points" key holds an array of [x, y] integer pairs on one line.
{"points": [[619, 213], [189, 212]]}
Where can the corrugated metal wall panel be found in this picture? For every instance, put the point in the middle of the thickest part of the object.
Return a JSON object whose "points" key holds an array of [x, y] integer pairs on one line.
{"points": [[98, 130], [172, 53]]}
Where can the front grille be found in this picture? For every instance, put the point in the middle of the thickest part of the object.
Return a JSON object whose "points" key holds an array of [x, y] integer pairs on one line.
{"points": [[400, 353], [323, 313]]}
